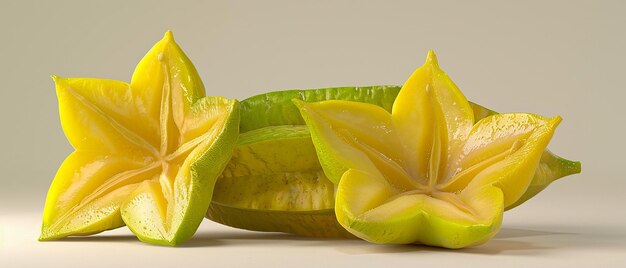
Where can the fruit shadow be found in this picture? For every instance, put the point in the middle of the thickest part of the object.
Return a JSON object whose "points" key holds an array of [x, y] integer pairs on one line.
{"points": [[126, 238], [238, 237], [506, 241], [232, 237], [97, 238]]}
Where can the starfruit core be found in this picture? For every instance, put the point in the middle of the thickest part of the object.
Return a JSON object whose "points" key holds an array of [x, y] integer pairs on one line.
{"points": [[147, 154], [425, 173], [274, 181]]}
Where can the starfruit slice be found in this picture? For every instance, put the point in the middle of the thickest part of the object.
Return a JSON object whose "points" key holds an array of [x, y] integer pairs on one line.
{"points": [[147, 154], [425, 173], [258, 192]]}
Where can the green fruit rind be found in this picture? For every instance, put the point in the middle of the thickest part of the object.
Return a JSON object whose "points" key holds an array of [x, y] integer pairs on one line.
{"points": [[204, 172], [271, 117], [278, 108], [335, 165], [314, 223], [415, 222], [275, 108], [551, 167], [208, 166], [256, 147], [274, 182]]}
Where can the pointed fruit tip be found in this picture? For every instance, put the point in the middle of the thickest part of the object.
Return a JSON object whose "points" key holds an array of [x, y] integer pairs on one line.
{"points": [[44, 236], [57, 80], [568, 167], [575, 167], [431, 58], [169, 36], [555, 121]]}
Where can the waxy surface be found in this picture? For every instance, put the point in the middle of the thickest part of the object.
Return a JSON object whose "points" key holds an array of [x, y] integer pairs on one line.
{"points": [[265, 187], [425, 173], [146, 153]]}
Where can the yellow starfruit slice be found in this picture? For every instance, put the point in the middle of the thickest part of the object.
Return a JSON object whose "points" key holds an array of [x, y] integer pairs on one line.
{"points": [[425, 173], [147, 154]]}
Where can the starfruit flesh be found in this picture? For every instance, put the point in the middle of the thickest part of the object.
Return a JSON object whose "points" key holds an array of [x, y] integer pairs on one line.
{"points": [[147, 154], [275, 124], [425, 173]]}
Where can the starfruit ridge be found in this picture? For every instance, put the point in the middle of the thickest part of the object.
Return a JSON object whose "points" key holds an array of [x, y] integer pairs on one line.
{"points": [[146, 153], [384, 183], [273, 113]]}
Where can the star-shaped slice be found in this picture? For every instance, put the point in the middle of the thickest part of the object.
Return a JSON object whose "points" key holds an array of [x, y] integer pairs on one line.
{"points": [[425, 173], [147, 154]]}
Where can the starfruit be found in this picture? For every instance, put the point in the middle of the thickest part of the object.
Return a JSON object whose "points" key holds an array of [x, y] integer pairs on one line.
{"points": [[425, 173], [273, 182], [276, 109], [147, 154]]}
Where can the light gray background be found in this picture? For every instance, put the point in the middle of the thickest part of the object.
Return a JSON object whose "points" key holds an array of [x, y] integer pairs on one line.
{"points": [[547, 57]]}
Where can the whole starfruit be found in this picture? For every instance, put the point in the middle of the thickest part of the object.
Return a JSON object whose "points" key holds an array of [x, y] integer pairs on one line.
{"points": [[256, 192]]}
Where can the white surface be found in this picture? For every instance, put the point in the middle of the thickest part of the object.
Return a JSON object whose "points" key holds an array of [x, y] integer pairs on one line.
{"points": [[560, 238]]}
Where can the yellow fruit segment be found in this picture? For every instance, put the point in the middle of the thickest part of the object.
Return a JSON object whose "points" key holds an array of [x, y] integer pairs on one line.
{"points": [[277, 108], [371, 148], [522, 137], [147, 153], [421, 116], [391, 217], [448, 181], [266, 202]]}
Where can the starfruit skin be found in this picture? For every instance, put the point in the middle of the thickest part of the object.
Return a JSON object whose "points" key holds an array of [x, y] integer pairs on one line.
{"points": [[551, 168], [275, 183], [270, 121], [277, 109], [147, 154], [420, 222], [423, 174]]}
